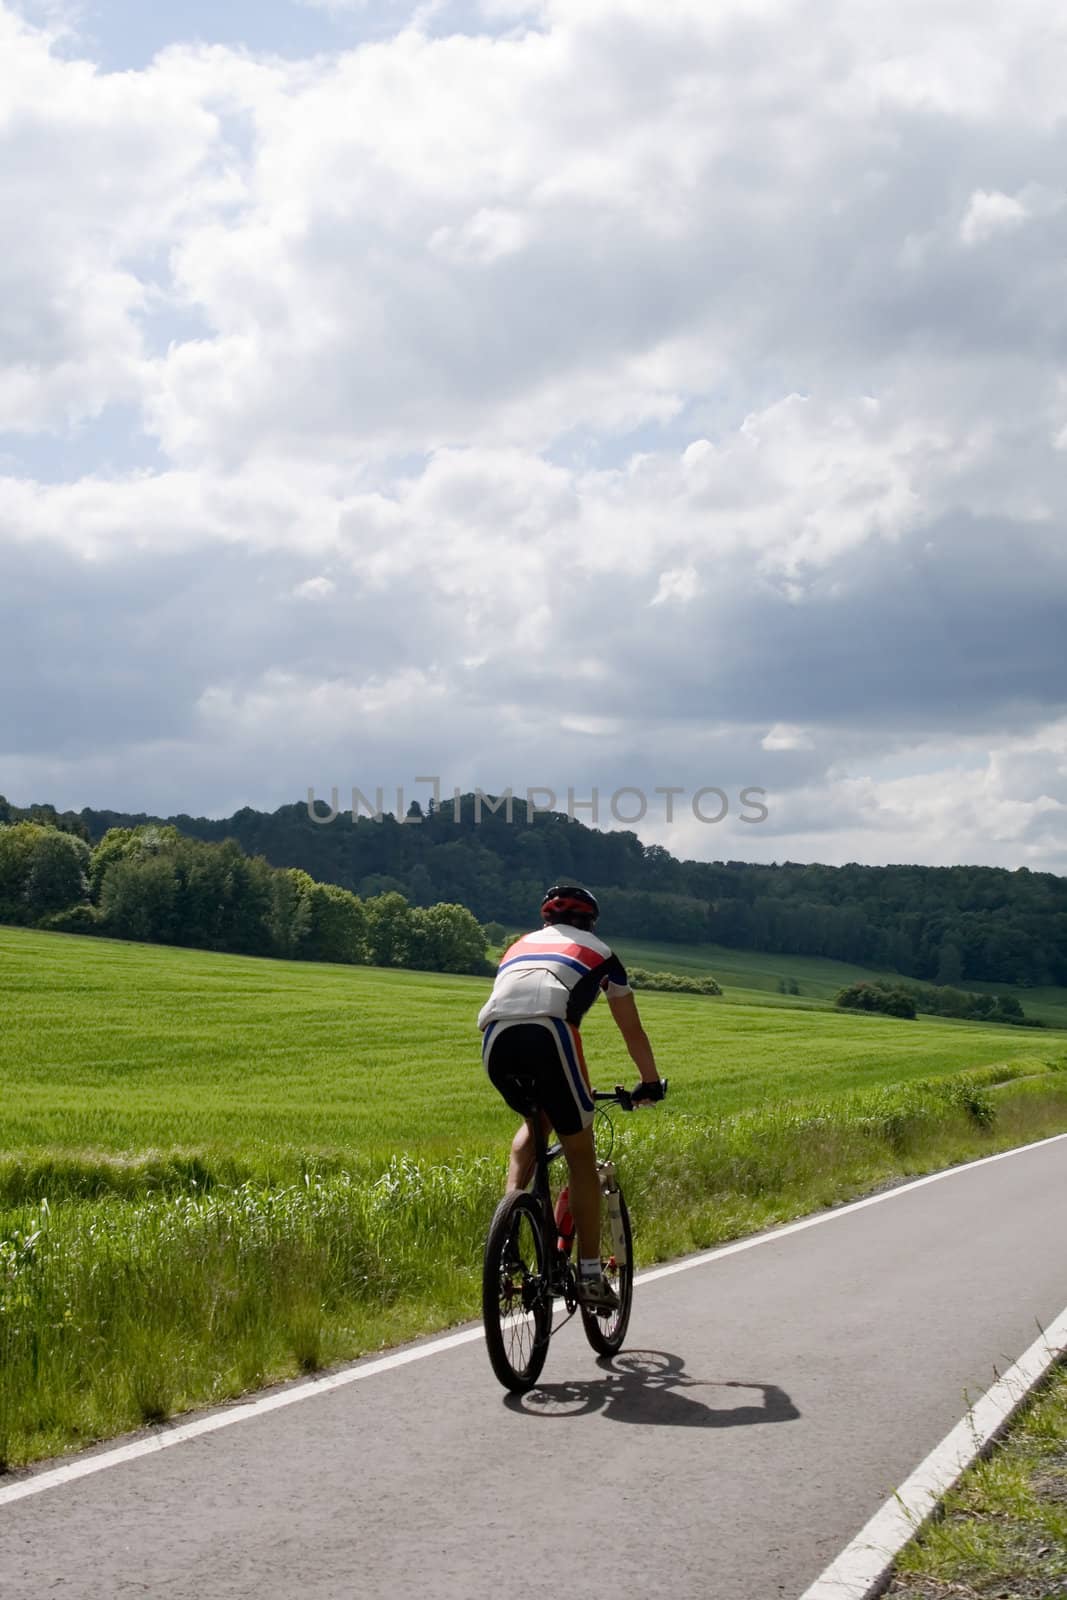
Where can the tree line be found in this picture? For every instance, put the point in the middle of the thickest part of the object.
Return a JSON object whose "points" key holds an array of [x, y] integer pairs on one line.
{"points": [[908, 999], [150, 883], [944, 925]]}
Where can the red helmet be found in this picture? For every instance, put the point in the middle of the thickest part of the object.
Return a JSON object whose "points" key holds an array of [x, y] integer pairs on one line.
{"points": [[564, 897]]}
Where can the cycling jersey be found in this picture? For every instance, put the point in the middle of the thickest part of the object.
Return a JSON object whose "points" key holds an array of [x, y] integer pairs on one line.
{"points": [[556, 971]]}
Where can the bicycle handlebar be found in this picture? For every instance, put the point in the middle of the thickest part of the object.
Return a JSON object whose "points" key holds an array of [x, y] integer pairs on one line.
{"points": [[623, 1098]]}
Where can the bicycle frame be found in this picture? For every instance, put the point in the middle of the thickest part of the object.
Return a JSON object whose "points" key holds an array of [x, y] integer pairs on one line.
{"points": [[560, 1268], [562, 1282]]}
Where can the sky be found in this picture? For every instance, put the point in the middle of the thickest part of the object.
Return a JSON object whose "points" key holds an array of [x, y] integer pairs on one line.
{"points": [[568, 394]]}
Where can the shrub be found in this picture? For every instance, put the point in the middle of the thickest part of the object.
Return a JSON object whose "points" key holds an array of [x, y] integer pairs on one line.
{"points": [[942, 1000], [891, 1002], [672, 982], [76, 919]]}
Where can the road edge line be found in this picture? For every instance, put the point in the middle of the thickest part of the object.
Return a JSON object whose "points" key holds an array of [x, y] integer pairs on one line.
{"points": [[368, 1367], [828, 1215], [863, 1568], [244, 1411]]}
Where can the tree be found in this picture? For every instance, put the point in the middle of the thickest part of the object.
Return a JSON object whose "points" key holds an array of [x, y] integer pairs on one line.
{"points": [[58, 876], [447, 938], [338, 925], [289, 919], [420, 889], [390, 930], [16, 855], [42, 871], [121, 844], [1007, 927], [138, 899], [950, 965], [376, 884]]}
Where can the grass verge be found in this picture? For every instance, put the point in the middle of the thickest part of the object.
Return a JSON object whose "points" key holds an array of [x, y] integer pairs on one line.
{"points": [[151, 1287], [1002, 1532]]}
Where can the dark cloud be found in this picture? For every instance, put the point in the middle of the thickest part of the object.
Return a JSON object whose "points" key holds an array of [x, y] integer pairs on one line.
{"points": [[783, 293]]}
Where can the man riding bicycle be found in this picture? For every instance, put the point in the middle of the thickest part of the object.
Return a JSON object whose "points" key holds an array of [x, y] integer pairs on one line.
{"points": [[532, 1050]]}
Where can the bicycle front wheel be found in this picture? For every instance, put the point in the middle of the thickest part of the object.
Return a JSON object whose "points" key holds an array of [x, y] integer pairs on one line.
{"points": [[606, 1334], [516, 1301]]}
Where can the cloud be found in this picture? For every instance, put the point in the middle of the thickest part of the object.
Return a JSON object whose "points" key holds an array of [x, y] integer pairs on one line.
{"points": [[784, 737], [989, 214], [476, 354], [677, 583], [315, 589]]}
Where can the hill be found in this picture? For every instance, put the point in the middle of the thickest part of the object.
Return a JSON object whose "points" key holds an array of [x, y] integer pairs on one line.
{"points": [[948, 925]]}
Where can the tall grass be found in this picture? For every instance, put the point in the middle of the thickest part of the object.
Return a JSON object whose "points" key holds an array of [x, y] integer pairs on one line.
{"points": [[116, 1311], [151, 1287]]}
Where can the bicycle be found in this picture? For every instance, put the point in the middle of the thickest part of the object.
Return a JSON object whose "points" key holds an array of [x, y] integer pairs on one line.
{"points": [[528, 1264]]}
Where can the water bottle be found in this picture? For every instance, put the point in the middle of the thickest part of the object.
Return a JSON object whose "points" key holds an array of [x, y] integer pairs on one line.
{"points": [[564, 1220], [613, 1200]]}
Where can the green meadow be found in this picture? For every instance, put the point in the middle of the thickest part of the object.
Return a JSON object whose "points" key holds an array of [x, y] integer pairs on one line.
{"points": [[113, 1049], [746, 974], [217, 1171]]}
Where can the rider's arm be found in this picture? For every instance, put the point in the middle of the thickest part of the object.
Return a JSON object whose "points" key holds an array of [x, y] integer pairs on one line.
{"points": [[624, 1010]]}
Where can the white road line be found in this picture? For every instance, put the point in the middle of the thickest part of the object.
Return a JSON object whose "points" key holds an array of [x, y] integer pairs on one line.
{"points": [[85, 1465], [836, 1211], [862, 1567]]}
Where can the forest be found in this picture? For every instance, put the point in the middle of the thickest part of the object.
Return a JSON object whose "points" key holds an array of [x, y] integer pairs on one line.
{"points": [[946, 925], [151, 884]]}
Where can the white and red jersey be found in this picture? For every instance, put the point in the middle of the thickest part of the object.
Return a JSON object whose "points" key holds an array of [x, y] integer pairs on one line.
{"points": [[556, 971]]}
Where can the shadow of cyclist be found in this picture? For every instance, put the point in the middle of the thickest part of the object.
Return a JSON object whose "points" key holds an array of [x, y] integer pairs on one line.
{"points": [[644, 1386]]}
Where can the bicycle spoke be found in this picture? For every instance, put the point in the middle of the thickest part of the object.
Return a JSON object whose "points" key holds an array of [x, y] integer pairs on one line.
{"points": [[517, 1304]]}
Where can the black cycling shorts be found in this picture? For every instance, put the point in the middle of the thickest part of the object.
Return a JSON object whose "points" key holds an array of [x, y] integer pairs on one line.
{"points": [[538, 1062]]}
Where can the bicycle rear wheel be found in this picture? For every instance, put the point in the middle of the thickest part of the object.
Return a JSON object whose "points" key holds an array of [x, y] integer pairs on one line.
{"points": [[516, 1301], [606, 1334]]}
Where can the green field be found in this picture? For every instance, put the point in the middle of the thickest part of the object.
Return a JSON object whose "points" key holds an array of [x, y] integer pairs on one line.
{"points": [[218, 1171], [124, 1048], [746, 972]]}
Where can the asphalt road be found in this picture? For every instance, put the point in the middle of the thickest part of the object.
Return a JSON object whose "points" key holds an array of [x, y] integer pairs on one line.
{"points": [[770, 1401]]}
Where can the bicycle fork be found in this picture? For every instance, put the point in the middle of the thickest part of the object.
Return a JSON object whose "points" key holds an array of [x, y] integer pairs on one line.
{"points": [[613, 1200]]}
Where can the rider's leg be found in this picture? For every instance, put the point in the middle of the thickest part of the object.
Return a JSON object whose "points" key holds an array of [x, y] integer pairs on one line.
{"points": [[585, 1190], [524, 1154]]}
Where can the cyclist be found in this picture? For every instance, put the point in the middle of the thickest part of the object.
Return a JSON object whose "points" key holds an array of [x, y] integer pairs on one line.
{"points": [[532, 1050]]}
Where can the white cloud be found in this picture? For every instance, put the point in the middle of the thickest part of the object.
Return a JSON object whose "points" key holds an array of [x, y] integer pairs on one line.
{"points": [[678, 583], [489, 235], [593, 727], [522, 346], [990, 214], [785, 737], [315, 589]]}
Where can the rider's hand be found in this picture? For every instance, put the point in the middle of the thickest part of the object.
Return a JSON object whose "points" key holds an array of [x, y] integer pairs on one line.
{"points": [[647, 1093]]}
